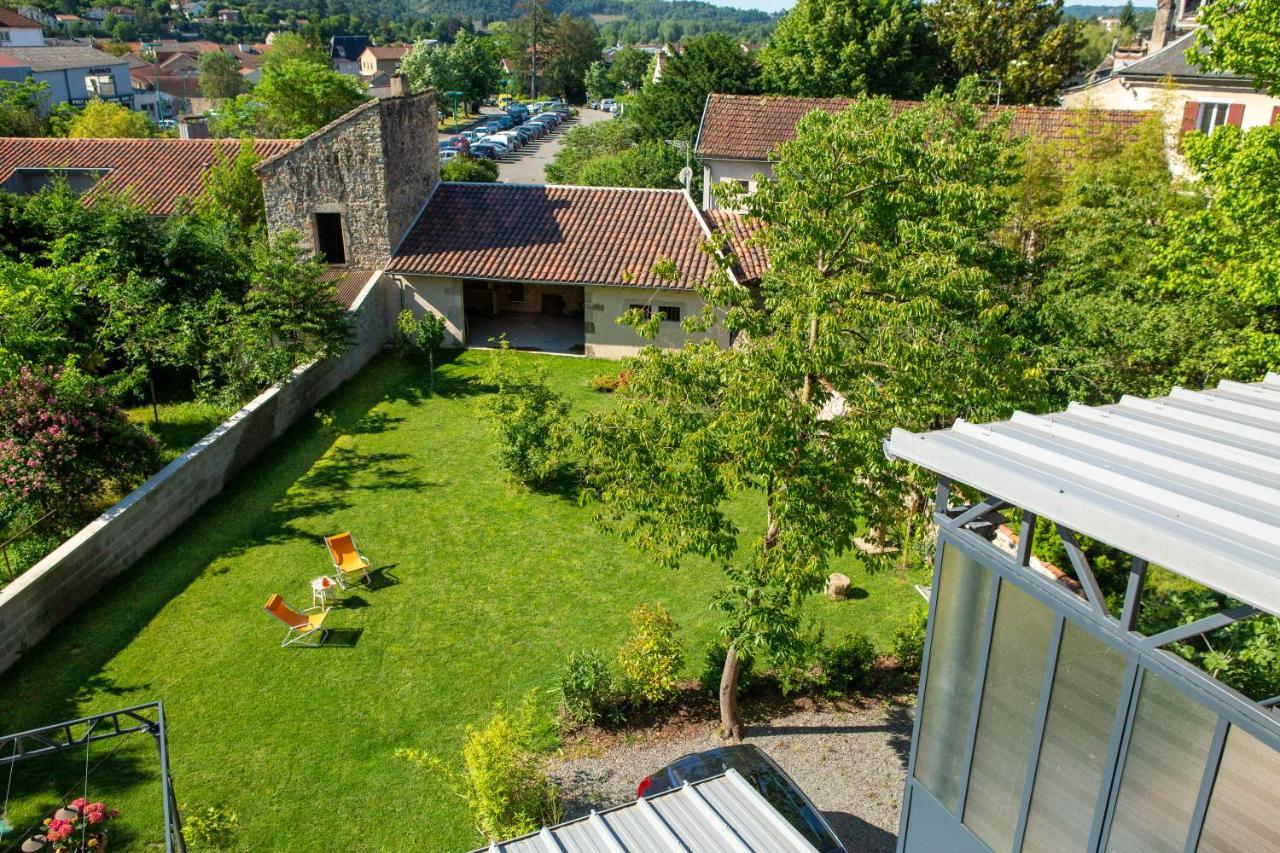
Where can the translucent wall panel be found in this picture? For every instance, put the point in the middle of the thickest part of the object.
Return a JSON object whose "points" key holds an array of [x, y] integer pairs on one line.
{"points": [[1073, 752], [1244, 812], [963, 592], [1010, 699], [1162, 770]]}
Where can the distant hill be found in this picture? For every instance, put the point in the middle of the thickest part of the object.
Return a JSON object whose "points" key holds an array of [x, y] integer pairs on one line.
{"points": [[1091, 12], [707, 15]]}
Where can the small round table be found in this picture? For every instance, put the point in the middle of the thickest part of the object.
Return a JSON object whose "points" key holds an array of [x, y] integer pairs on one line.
{"points": [[320, 590]]}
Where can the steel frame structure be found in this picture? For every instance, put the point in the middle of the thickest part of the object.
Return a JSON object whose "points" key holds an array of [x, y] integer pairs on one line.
{"points": [[970, 529], [80, 733]]}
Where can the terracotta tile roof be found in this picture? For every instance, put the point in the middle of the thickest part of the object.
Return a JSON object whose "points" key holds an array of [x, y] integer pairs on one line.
{"points": [[750, 256], [568, 235], [12, 20], [157, 171], [348, 281], [750, 127]]}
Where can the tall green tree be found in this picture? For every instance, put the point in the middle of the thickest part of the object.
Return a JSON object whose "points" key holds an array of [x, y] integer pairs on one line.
{"points": [[21, 106], [1026, 47], [232, 189], [598, 82], [220, 75], [575, 45], [883, 266], [823, 48], [468, 66], [1241, 37], [108, 120], [630, 68], [672, 107]]}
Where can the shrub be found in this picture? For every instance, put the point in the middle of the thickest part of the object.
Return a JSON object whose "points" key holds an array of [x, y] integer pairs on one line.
{"points": [[502, 779], [847, 664], [907, 643], [649, 661], [607, 383], [713, 669], [421, 336], [528, 417], [472, 170], [586, 687], [210, 826]]}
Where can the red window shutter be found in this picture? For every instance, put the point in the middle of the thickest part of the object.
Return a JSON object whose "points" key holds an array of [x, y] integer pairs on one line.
{"points": [[1190, 112], [1275, 115], [1235, 114]]}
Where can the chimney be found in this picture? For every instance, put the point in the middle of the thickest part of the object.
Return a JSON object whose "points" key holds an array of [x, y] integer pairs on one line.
{"points": [[193, 127], [399, 86], [1162, 29]]}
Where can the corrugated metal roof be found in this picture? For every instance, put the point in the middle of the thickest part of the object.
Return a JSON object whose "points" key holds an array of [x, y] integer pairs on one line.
{"points": [[1190, 482], [723, 813]]}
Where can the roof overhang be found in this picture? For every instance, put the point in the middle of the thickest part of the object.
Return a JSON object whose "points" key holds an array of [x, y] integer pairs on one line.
{"points": [[1189, 482]]}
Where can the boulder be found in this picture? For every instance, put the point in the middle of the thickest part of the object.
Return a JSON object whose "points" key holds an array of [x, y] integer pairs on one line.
{"points": [[838, 586]]}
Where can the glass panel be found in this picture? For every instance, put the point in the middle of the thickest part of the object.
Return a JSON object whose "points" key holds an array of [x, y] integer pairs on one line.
{"points": [[963, 592], [1010, 699], [1246, 798], [1073, 754], [1162, 770]]}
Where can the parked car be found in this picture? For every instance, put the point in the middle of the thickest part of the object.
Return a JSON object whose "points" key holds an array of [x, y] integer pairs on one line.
{"points": [[535, 129], [564, 113], [512, 139], [761, 771], [473, 135], [551, 120], [499, 144], [506, 121], [448, 154], [526, 133], [486, 151]]}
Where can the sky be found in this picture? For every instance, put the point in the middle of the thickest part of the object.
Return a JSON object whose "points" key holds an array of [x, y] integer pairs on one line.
{"points": [[783, 5]]}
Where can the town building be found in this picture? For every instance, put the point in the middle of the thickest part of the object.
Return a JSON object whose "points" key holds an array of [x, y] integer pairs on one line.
{"points": [[344, 53], [41, 17], [76, 74], [18, 30], [382, 58]]}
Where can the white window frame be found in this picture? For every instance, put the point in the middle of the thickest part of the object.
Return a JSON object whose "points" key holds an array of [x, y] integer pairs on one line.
{"points": [[1211, 114], [95, 84]]}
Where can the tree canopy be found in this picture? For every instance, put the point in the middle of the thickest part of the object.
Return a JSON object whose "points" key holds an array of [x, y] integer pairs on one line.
{"points": [[108, 120], [824, 48], [469, 66], [672, 107], [220, 75], [1241, 37], [21, 105]]}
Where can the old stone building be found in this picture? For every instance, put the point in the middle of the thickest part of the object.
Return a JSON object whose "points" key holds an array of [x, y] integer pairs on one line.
{"points": [[353, 188]]}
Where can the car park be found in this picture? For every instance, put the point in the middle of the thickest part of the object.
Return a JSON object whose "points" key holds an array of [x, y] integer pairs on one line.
{"points": [[763, 774]]}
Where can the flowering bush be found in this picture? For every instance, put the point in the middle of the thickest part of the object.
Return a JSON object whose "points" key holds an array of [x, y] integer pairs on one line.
{"points": [[83, 830], [61, 439]]}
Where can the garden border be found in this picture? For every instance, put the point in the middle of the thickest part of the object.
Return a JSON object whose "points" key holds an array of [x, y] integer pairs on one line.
{"points": [[43, 596]]}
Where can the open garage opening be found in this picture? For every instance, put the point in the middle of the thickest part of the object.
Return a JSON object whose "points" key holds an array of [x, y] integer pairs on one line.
{"points": [[538, 317]]}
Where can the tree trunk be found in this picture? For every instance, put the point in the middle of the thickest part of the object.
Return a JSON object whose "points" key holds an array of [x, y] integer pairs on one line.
{"points": [[155, 406], [730, 719]]}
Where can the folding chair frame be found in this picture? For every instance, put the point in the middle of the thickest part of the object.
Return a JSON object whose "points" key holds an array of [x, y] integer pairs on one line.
{"points": [[338, 573], [294, 635]]}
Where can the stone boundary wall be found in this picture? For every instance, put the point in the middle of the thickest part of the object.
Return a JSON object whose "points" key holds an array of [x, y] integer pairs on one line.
{"points": [[39, 599]]}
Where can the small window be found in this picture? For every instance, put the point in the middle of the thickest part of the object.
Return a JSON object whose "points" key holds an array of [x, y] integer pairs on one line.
{"points": [[1210, 116], [516, 293], [670, 313], [5, 35], [645, 310], [102, 85], [329, 243]]}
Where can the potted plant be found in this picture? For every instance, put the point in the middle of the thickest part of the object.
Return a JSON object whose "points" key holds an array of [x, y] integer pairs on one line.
{"points": [[80, 827]]}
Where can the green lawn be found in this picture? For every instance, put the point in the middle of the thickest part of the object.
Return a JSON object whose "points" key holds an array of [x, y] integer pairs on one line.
{"points": [[495, 586], [181, 424]]}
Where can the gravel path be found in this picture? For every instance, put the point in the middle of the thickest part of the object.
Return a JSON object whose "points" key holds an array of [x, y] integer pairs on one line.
{"points": [[850, 760]]}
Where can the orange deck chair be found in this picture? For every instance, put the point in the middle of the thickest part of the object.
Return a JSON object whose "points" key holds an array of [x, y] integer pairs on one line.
{"points": [[348, 562], [304, 624]]}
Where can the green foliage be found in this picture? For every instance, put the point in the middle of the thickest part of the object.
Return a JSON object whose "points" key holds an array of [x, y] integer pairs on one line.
{"points": [[527, 415], [847, 663], [1096, 42], [210, 827], [598, 82], [421, 336], [21, 105], [587, 691], [607, 383], [109, 120], [630, 68], [475, 170], [713, 668], [1026, 45], [649, 661], [585, 143], [220, 75], [232, 189], [469, 66], [1243, 38], [672, 107], [823, 48], [502, 780], [907, 644], [649, 163]]}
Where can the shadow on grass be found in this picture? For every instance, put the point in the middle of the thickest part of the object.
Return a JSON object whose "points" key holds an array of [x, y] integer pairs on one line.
{"points": [[381, 578], [342, 638]]}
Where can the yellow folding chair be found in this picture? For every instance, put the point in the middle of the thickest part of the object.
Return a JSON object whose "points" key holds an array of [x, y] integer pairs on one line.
{"points": [[348, 562], [301, 624]]}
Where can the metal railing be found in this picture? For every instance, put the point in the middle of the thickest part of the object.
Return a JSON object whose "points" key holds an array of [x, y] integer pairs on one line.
{"points": [[4, 546]]}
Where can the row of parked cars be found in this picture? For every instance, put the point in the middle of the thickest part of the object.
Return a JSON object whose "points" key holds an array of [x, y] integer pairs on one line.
{"points": [[505, 133], [609, 105]]}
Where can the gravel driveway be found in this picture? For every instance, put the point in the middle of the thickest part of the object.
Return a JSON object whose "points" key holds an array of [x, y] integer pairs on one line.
{"points": [[850, 760]]}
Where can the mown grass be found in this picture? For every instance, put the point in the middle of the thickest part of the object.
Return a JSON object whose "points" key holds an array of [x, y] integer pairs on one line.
{"points": [[181, 424], [484, 590]]}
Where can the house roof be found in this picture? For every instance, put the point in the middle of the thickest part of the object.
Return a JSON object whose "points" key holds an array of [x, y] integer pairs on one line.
{"points": [[10, 19], [388, 51], [1187, 481], [750, 127], [751, 257], [556, 234], [1172, 62], [721, 813], [347, 47], [157, 171], [62, 58], [349, 282]]}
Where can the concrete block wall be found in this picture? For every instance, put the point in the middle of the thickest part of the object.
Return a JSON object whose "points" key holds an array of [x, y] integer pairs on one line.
{"points": [[33, 605]]}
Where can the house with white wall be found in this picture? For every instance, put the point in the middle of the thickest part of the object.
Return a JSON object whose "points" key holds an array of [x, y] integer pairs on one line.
{"points": [[18, 30]]}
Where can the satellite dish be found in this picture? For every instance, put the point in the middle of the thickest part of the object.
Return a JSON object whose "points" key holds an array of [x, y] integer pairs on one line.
{"points": [[686, 177]]}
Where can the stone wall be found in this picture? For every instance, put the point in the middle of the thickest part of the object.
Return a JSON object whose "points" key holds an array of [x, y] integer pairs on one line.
{"points": [[376, 166], [34, 604]]}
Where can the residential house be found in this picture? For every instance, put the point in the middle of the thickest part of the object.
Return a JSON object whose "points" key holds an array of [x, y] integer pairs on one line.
{"points": [[1197, 100], [229, 16], [77, 74], [739, 133], [1108, 22], [66, 20], [384, 58], [344, 52], [41, 17], [193, 8], [18, 30], [157, 172], [124, 13], [97, 14]]}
